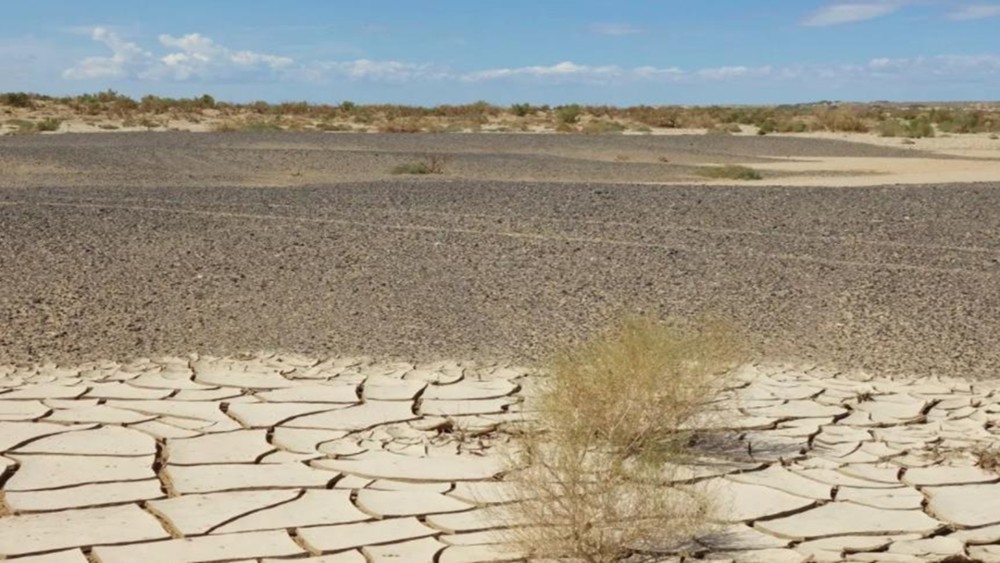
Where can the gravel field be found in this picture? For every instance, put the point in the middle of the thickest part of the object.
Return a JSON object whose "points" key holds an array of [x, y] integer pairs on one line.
{"points": [[127, 245]]}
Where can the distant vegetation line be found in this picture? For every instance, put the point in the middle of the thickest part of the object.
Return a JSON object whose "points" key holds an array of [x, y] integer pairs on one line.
{"points": [[884, 118]]}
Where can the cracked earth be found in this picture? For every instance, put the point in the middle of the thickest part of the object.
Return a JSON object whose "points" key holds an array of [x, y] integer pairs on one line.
{"points": [[278, 457]]}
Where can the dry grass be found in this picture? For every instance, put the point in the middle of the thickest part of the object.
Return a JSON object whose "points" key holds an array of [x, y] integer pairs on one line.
{"points": [[611, 420], [430, 164], [988, 458]]}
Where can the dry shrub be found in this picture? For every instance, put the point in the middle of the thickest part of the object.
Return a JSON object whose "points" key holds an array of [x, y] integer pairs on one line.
{"points": [[988, 458], [430, 164], [612, 420], [730, 172]]}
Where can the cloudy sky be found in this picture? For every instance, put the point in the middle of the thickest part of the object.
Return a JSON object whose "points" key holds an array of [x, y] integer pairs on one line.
{"points": [[542, 51]]}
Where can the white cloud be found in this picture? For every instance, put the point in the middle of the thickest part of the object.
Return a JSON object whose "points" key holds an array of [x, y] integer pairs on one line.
{"points": [[193, 56], [728, 72], [125, 58], [561, 70], [850, 12], [975, 12], [615, 29], [364, 69]]}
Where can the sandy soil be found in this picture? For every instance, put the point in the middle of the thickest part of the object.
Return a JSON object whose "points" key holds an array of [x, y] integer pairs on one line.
{"points": [[122, 245]]}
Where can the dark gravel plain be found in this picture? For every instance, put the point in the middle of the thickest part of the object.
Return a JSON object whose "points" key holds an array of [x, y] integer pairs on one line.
{"points": [[116, 246]]}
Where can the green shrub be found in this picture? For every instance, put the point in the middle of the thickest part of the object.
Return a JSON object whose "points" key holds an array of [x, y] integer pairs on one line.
{"points": [[22, 126], [521, 110], [50, 124], [600, 126], [17, 99], [730, 172], [568, 115]]}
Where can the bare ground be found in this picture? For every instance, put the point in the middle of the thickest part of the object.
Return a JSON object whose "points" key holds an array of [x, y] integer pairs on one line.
{"points": [[128, 245]]}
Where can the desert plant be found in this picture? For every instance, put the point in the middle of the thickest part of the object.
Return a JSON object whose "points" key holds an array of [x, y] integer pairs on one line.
{"points": [[431, 164], [49, 124], [16, 99], [730, 172], [601, 126], [988, 458], [22, 126], [614, 415], [521, 110], [568, 115]]}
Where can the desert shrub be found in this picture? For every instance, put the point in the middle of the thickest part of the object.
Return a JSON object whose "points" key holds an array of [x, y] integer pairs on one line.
{"points": [[987, 458], [600, 126], [730, 172], [22, 126], [568, 115], [430, 164], [334, 127], [49, 124], [841, 120], [919, 127], [891, 128], [402, 126], [913, 129], [250, 126], [16, 99], [521, 110], [593, 482]]}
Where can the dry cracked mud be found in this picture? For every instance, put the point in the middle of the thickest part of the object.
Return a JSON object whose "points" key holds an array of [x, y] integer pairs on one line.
{"points": [[286, 457]]}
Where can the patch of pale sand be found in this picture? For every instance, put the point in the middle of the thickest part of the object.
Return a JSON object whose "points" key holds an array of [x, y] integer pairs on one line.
{"points": [[862, 171], [969, 145]]}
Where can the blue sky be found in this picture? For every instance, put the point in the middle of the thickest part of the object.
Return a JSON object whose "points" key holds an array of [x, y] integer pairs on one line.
{"points": [[453, 51]]}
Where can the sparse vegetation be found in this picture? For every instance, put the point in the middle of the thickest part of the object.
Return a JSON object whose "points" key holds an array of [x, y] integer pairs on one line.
{"points": [[594, 480], [16, 99], [49, 124], [431, 164], [568, 115], [899, 120], [601, 126], [730, 172], [251, 126], [988, 458], [22, 126]]}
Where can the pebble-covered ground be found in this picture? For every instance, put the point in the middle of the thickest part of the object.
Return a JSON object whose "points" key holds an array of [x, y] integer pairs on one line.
{"points": [[276, 457], [168, 251]]}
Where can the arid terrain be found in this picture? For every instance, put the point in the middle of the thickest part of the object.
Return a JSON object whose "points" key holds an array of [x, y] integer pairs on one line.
{"points": [[315, 346], [121, 245]]}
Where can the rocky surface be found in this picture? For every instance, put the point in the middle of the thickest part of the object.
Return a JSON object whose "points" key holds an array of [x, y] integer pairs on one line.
{"points": [[278, 457], [150, 244]]}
